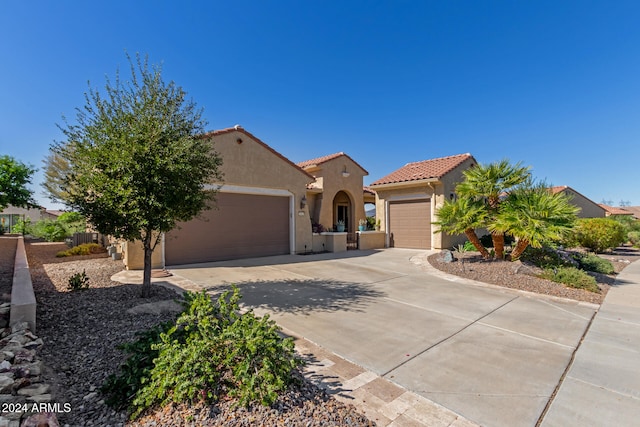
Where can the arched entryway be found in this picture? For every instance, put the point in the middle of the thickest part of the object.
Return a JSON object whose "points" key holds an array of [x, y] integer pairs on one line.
{"points": [[343, 210]]}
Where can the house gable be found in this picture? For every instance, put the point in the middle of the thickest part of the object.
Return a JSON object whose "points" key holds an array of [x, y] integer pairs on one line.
{"points": [[424, 171], [248, 161], [588, 208]]}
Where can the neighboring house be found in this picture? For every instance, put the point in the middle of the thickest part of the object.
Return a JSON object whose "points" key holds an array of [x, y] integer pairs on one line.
{"points": [[10, 216], [588, 208], [613, 211], [408, 198], [261, 206], [635, 210], [337, 193]]}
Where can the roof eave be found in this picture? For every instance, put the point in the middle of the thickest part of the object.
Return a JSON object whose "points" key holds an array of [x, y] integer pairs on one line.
{"points": [[412, 183]]}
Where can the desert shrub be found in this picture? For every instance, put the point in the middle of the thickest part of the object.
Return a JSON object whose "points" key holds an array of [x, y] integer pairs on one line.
{"points": [[599, 234], [634, 238], [121, 387], [592, 262], [468, 247], [572, 277], [544, 257], [83, 249], [78, 282], [49, 230], [211, 351], [1, 229]]}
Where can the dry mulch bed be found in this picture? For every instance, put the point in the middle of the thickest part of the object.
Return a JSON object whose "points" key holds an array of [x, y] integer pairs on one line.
{"points": [[81, 330], [517, 275]]}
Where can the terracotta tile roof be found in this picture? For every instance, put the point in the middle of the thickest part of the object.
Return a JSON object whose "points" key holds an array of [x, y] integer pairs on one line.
{"points": [[238, 128], [635, 210], [320, 160], [612, 210], [433, 168], [558, 189], [369, 190]]}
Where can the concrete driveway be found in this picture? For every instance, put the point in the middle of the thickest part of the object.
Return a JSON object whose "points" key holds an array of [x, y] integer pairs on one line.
{"points": [[493, 355]]}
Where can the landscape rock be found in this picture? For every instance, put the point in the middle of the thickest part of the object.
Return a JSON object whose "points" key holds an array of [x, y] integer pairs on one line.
{"points": [[34, 389]]}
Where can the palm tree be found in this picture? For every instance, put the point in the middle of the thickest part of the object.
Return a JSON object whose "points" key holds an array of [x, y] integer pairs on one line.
{"points": [[463, 215], [489, 183], [533, 215]]}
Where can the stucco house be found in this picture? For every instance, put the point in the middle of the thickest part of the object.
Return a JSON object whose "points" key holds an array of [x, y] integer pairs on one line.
{"points": [[337, 193], [260, 207], [407, 200], [11, 215], [588, 208], [614, 211]]}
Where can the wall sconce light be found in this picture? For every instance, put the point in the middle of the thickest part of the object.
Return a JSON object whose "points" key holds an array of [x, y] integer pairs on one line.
{"points": [[303, 202], [345, 173]]}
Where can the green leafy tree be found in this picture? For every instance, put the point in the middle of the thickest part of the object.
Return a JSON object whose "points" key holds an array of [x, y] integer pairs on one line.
{"points": [[489, 183], [534, 216], [73, 222], [15, 176], [463, 215], [56, 169], [137, 163]]}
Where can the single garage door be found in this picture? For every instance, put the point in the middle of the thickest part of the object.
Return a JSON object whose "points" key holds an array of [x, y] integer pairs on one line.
{"points": [[410, 224], [243, 226]]}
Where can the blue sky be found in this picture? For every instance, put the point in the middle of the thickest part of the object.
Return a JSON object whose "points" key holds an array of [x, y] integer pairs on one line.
{"points": [[553, 84]]}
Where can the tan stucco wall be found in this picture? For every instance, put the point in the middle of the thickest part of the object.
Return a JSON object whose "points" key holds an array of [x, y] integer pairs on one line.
{"points": [[588, 209], [133, 256], [330, 177], [250, 164]]}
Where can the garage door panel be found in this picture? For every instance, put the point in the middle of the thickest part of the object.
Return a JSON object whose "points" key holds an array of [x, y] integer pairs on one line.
{"points": [[242, 226], [410, 224]]}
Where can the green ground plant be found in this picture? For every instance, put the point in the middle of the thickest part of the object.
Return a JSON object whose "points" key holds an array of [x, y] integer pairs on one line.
{"points": [[592, 262], [78, 282], [572, 277], [634, 238], [83, 249], [211, 351]]}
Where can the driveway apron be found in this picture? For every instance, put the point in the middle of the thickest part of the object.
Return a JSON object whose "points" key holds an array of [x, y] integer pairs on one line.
{"points": [[493, 355]]}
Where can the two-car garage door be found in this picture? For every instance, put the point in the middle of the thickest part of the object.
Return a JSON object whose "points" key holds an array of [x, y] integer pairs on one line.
{"points": [[242, 226], [410, 224]]}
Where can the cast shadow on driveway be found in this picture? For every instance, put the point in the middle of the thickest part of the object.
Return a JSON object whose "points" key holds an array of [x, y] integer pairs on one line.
{"points": [[303, 296]]}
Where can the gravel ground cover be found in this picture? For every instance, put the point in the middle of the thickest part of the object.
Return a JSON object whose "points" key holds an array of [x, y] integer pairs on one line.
{"points": [[522, 276], [81, 330]]}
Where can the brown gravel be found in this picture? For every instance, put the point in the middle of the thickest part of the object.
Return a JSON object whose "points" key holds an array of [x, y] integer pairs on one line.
{"points": [[82, 329], [522, 276]]}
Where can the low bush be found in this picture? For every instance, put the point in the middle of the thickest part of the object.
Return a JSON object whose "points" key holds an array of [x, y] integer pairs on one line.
{"points": [[592, 262], [634, 238], [83, 249], [572, 277], [211, 351], [78, 282], [544, 257], [598, 234]]}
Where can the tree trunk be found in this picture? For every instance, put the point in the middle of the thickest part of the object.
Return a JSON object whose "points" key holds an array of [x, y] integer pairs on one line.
{"points": [[148, 251], [498, 244], [473, 238], [519, 249]]}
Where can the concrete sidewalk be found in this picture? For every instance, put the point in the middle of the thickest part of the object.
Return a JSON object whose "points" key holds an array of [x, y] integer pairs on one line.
{"points": [[602, 385]]}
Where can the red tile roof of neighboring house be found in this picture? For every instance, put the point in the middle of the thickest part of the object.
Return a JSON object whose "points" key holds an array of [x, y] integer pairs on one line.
{"points": [[320, 160], [369, 190], [635, 210], [614, 211], [238, 128], [433, 168]]}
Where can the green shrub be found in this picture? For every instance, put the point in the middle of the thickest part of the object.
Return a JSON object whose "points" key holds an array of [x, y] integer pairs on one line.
{"points": [[592, 262], [572, 277], [22, 226], [83, 249], [121, 388], [634, 238], [1, 229], [78, 282], [544, 257], [599, 234], [49, 230], [211, 351]]}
